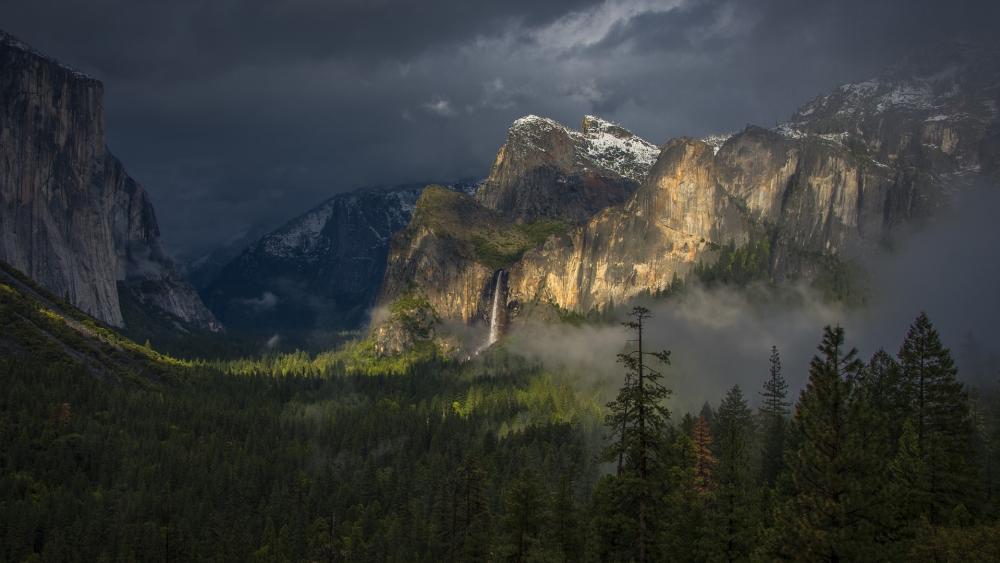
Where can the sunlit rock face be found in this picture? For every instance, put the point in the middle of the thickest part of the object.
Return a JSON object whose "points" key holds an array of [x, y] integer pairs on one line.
{"points": [[437, 254], [662, 230], [548, 171], [806, 197], [545, 173], [837, 180], [70, 216]]}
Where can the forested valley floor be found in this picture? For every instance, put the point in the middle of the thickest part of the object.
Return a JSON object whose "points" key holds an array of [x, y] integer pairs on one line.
{"points": [[289, 458]]}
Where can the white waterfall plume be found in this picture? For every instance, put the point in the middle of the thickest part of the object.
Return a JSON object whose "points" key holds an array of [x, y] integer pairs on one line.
{"points": [[495, 314]]}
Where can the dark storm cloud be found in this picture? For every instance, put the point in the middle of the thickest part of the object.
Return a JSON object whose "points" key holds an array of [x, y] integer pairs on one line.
{"points": [[236, 112], [125, 38]]}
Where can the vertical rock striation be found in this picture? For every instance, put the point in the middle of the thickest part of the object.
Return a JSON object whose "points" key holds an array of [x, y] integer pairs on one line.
{"points": [[70, 216]]}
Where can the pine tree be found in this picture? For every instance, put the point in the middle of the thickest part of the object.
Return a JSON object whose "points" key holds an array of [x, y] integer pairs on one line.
{"points": [[940, 412], [322, 539], [562, 528], [909, 477], [522, 521], [773, 414], [638, 419], [475, 510], [681, 535], [835, 511], [704, 460], [708, 414], [884, 389], [732, 518], [775, 391]]}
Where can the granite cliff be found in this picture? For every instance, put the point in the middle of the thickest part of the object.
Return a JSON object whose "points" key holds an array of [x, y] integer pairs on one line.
{"points": [[834, 182], [71, 217]]}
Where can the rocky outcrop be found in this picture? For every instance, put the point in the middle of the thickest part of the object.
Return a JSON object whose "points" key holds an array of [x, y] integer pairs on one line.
{"points": [[546, 178], [449, 252], [70, 216], [671, 223], [806, 197], [408, 321], [548, 171]]}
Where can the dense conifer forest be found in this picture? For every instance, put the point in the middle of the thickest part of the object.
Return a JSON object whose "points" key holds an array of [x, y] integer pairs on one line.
{"points": [[498, 459]]}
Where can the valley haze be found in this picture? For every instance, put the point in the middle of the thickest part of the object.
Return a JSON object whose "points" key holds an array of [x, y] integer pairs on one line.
{"points": [[569, 281]]}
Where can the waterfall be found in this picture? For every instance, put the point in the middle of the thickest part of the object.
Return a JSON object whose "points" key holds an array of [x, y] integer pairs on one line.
{"points": [[498, 302]]}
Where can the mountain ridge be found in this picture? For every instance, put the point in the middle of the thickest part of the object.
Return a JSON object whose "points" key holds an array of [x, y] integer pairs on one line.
{"points": [[582, 219], [830, 185], [318, 273]]}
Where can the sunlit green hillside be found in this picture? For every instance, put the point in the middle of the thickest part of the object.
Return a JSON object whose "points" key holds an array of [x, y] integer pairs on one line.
{"points": [[284, 458]]}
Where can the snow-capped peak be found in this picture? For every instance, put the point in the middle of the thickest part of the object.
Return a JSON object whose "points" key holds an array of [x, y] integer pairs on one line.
{"points": [[536, 121], [600, 143], [615, 148]]}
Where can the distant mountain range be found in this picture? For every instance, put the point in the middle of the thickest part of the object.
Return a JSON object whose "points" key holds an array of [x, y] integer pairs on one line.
{"points": [[321, 271], [582, 220], [578, 220], [794, 202]]}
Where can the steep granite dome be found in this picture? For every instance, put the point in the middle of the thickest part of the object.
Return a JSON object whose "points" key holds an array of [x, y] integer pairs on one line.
{"points": [[70, 216], [834, 182], [670, 223], [320, 271], [548, 171]]}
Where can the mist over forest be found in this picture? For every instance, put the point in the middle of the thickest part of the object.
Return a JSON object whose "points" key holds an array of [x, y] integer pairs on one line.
{"points": [[600, 280]]}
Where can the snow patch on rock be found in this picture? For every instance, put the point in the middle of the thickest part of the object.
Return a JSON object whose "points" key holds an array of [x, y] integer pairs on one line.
{"points": [[716, 141], [301, 235], [600, 143]]}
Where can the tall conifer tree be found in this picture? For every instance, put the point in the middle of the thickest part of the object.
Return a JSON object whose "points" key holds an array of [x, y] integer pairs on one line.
{"points": [[773, 414], [885, 391], [732, 518], [835, 513], [940, 412], [704, 460], [638, 419]]}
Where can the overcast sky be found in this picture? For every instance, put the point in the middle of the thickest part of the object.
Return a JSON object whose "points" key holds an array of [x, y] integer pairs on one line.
{"points": [[233, 113]]}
